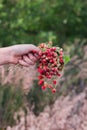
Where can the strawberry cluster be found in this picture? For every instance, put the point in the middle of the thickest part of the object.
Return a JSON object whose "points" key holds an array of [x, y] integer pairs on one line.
{"points": [[50, 64]]}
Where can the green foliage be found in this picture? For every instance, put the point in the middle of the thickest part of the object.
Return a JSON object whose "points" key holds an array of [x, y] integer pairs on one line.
{"points": [[40, 21], [66, 59]]}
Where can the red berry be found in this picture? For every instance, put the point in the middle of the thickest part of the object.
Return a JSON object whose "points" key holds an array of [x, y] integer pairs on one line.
{"points": [[41, 82], [43, 87], [40, 53], [55, 63], [40, 77], [61, 61], [34, 51], [61, 52], [60, 56], [44, 61], [54, 82], [53, 90], [53, 49], [49, 76], [58, 74], [50, 86], [42, 45]]}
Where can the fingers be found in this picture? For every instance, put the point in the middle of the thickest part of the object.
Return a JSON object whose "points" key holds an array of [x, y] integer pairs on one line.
{"points": [[28, 60], [29, 54], [23, 63], [36, 55], [32, 57]]}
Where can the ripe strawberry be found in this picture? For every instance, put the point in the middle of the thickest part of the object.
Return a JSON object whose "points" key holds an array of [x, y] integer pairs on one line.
{"points": [[54, 82], [42, 45], [43, 87], [40, 77], [41, 82], [53, 90]]}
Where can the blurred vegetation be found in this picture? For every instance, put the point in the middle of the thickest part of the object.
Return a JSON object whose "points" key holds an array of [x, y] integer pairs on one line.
{"points": [[39, 99], [40, 21], [36, 21], [11, 100]]}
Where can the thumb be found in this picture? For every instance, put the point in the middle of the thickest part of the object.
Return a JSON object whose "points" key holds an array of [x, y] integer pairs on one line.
{"points": [[34, 49], [24, 49]]}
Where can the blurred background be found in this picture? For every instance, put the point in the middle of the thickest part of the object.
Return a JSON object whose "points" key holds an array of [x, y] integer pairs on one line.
{"points": [[22, 103]]}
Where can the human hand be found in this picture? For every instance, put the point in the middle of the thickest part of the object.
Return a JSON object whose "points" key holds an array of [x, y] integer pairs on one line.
{"points": [[24, 54]]}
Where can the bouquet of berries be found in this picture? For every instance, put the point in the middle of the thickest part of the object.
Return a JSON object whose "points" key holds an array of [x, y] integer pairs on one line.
{"points": [[51, 63]]}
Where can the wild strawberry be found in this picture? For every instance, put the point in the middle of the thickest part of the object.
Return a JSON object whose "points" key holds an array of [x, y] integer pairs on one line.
{"points": [[41, 82], [60, 56], [40, 77], [43, 87], [50, 63], [34, 51], [50, 86], [49, 76], [54, 82], [61, 61], [40, 53], [42, 45], [61, 52], [53, 90], [55, 63], [53, 49], [58, 74]]}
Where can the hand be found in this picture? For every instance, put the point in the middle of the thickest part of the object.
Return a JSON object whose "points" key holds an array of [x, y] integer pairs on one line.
{"points": [[24, 54]]}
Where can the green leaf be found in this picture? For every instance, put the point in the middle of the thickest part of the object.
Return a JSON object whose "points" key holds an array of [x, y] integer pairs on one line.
{"points": [[66, 59]]}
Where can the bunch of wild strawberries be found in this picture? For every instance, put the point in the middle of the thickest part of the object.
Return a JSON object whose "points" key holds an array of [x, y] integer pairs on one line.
{"points": [[51, 62]]}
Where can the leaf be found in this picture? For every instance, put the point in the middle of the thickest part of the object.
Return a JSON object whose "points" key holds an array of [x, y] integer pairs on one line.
{"points": [[66, 59]]}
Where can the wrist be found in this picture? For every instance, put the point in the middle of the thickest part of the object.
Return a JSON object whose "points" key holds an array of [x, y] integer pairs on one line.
{"points": [[5, 55]]}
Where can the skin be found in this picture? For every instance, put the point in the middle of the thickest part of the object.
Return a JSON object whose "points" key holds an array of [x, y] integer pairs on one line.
{"points": [[24, 54]]}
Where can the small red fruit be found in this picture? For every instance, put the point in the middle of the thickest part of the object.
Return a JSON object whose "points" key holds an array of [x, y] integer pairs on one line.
{"points": [[50, 86], [60, 56], [49, 76], [54, 81], [53, 49], [58, 74], [42, 45], [61, 52], [53, 90], [41, 82], [40, 53], [61, 61], [43, 87], [40, 77]]}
